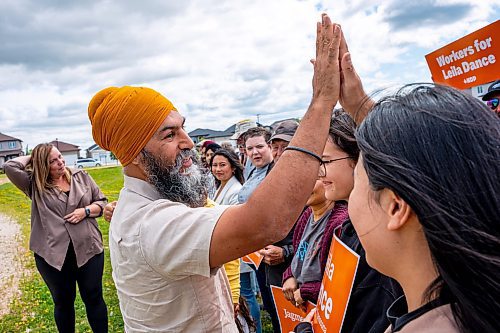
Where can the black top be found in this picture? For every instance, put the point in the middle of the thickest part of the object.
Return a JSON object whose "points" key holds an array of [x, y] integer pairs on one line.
{"points": [[372, 292], [399, 316]]}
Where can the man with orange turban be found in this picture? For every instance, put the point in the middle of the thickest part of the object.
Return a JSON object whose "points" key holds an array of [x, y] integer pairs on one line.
{"points": [[166, 248]]}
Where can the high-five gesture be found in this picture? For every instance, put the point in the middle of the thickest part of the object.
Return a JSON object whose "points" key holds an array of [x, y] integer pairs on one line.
{"points": [[326, 79]]}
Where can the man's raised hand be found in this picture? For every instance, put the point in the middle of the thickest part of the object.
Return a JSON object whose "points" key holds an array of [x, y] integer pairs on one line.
{"points": [[326, 79]]}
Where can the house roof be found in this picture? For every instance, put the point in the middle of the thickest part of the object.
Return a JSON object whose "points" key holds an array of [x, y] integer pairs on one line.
{"points": [[64, 146], [208, 133], [4, 137], [95, 146]]}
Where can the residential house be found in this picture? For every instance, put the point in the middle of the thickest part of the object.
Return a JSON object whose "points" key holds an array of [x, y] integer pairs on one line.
{"points": [[10, 148], [97, 153], [200, 134], [219, 137], [69, 151]]}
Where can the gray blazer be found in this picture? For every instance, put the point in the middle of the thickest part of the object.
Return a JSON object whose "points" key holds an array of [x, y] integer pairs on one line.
{"points": [[50, 233]]}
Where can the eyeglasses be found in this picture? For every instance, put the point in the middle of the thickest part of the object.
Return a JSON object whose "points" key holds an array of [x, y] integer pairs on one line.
{"points": [[492, 103], [322, 166]]}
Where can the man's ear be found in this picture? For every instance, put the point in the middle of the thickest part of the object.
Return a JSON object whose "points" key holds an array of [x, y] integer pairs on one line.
{"points": [[397, 209], [137, 160], [136, 168]]}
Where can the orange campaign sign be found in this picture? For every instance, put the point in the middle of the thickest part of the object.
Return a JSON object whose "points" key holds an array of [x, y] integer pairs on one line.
{"points": [[336, 287], [469, 61], [253, 258], [288, 314]]}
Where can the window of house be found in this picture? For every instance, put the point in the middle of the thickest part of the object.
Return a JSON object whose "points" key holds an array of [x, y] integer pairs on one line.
{"points": [[12, 144]]}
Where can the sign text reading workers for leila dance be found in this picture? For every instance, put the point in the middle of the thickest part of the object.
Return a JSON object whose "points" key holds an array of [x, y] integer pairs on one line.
{"points": [[469, 61]]}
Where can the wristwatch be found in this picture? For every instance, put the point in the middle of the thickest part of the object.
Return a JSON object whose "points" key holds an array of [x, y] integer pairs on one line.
{"points": [[87, 212]]}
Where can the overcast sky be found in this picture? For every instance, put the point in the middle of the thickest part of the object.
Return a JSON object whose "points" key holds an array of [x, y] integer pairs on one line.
{"points": [[217, 61]]}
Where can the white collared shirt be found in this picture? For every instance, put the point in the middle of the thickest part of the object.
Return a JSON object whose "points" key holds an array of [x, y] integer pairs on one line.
{"points": [[160, 258]]}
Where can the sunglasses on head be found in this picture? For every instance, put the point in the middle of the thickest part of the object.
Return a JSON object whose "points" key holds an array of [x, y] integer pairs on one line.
{"points": [[492, 103]]}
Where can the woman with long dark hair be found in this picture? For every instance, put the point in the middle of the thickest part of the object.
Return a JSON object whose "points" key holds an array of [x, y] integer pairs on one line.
{"points": [[224, 168], [426, 207]]}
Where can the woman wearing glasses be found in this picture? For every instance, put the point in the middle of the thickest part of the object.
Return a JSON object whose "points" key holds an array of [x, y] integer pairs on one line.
{"points": [[372, 292], [314, 229]]}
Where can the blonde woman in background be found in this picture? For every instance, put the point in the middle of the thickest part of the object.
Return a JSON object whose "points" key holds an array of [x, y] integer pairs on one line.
{"points": [[65, 237]]}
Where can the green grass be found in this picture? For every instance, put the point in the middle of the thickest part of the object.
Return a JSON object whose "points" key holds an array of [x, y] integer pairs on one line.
{"points": [[33, 311]]}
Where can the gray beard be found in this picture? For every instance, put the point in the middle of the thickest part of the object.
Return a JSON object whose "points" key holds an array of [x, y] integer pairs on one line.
{"points": [[189, 187]]}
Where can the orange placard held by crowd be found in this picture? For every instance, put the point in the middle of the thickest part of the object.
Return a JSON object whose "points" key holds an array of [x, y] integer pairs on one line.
{"points": [[254, 258], [288, 314], [469, 61], [336, 287]]}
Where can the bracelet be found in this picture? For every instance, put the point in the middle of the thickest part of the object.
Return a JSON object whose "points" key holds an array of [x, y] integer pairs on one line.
{"points": [[305, 151]]}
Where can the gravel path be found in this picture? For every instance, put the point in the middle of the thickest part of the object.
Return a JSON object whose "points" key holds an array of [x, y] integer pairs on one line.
{"points": [[10, 262]]}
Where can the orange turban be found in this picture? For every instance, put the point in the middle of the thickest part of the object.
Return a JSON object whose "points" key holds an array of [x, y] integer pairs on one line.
{"points": [[124, 119]]}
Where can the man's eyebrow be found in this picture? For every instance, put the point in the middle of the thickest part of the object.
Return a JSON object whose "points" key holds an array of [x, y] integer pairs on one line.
{"points": [[173, 126]]}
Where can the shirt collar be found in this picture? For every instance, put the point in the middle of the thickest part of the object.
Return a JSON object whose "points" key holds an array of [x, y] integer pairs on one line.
{"points": [[141, 187], [398, 314]]}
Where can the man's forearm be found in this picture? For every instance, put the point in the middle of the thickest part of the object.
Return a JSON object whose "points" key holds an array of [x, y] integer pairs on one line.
{"points": [[291, 181], [296, 171]]}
